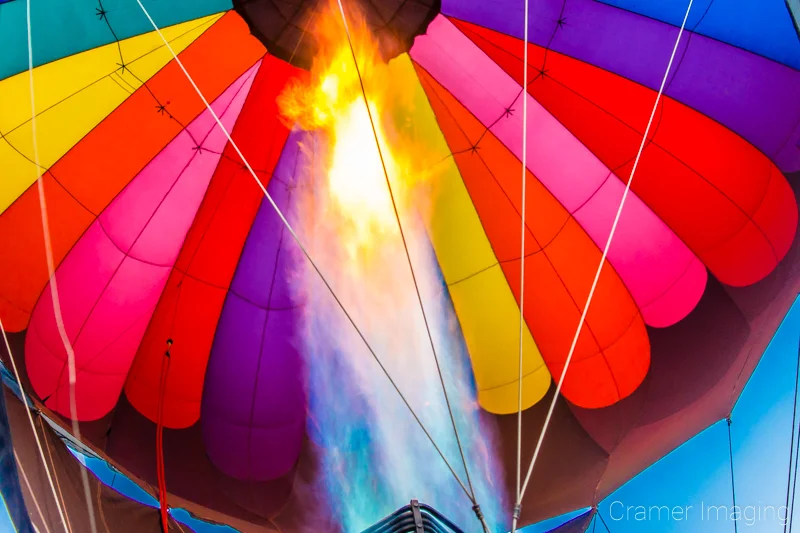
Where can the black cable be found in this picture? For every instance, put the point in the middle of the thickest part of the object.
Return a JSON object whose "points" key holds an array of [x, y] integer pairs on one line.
{"points": [[608, 529], [789, 483], [733, 480], [790, 515]]}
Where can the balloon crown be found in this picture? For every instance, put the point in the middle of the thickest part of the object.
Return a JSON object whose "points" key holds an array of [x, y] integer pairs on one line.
{"points": [[284, 30]]}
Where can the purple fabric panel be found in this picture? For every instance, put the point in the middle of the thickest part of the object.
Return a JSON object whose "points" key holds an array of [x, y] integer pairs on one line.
{"points": [[753, 96], [764, 27], [254, 399]]}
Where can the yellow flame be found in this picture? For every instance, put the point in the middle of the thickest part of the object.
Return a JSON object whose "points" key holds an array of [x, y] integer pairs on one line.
{"points": [[331, 101], [355, 177]]}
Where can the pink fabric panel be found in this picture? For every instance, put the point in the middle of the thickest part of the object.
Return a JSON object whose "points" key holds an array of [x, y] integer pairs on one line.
{"points": [[110, 282], [664, 277]]}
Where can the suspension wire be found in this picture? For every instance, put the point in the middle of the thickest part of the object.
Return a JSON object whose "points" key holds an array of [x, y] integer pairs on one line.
{"points": [[55, 472], [161, 473], [35, 433], [59, 318], [794, 489], [789, 485], [582, 320], [303, 249], [410, 264], [733, 478], [603, 520], [32, 493], [517, 505]]}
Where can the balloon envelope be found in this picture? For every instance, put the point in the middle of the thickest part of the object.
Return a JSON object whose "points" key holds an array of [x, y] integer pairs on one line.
{"points": [[158, 230]]}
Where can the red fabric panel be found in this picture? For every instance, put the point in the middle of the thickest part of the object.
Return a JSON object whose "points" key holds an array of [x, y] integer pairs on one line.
{"points": [[83, 182], [613, 352], [191, 303], [723, 197]]}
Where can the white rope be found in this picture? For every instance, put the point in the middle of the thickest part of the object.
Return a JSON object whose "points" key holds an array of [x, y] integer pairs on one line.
{"points": [[73, 408], [302, 247], [522, 264], [475, 506], [55, 472], [35, 434], [222, 128], [538, 448], [33, 494]]}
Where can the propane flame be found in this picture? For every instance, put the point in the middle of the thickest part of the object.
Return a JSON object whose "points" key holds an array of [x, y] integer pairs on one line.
{"points": [[332, 101], [373, 456]]}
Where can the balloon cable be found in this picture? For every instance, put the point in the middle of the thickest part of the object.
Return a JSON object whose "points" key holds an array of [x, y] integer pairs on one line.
{"points": [[602, 521], [32, 493], [55, 473], [794, 450], [523, 228], [24, 399], [303, 249], [733, 478], [53, 284], [582, 320], [410, 264], [162, 479]]}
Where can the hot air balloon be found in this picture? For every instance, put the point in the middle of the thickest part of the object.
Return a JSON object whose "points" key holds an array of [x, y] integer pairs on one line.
{"points": [[175, 297]]}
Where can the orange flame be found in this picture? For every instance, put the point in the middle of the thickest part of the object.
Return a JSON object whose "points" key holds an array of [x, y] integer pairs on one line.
{"points": [[332, 101]]}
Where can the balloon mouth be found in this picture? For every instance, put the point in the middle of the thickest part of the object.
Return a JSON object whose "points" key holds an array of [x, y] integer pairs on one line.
{"points": [[285, 32]]}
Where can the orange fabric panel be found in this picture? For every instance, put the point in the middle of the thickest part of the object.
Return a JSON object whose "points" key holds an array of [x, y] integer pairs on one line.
{"points": [[192, 301], [23, 261], [727, 201], [95, 170], [613, 351], [103, 163]]}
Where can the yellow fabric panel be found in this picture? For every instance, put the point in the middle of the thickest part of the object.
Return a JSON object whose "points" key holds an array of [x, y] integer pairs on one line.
{"points": [[73, 95], [486, 308], [491, 328]]}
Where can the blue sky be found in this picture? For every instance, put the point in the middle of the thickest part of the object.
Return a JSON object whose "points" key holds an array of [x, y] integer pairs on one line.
{"points": [[690, 490], [5, 520], [693, 485]]}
